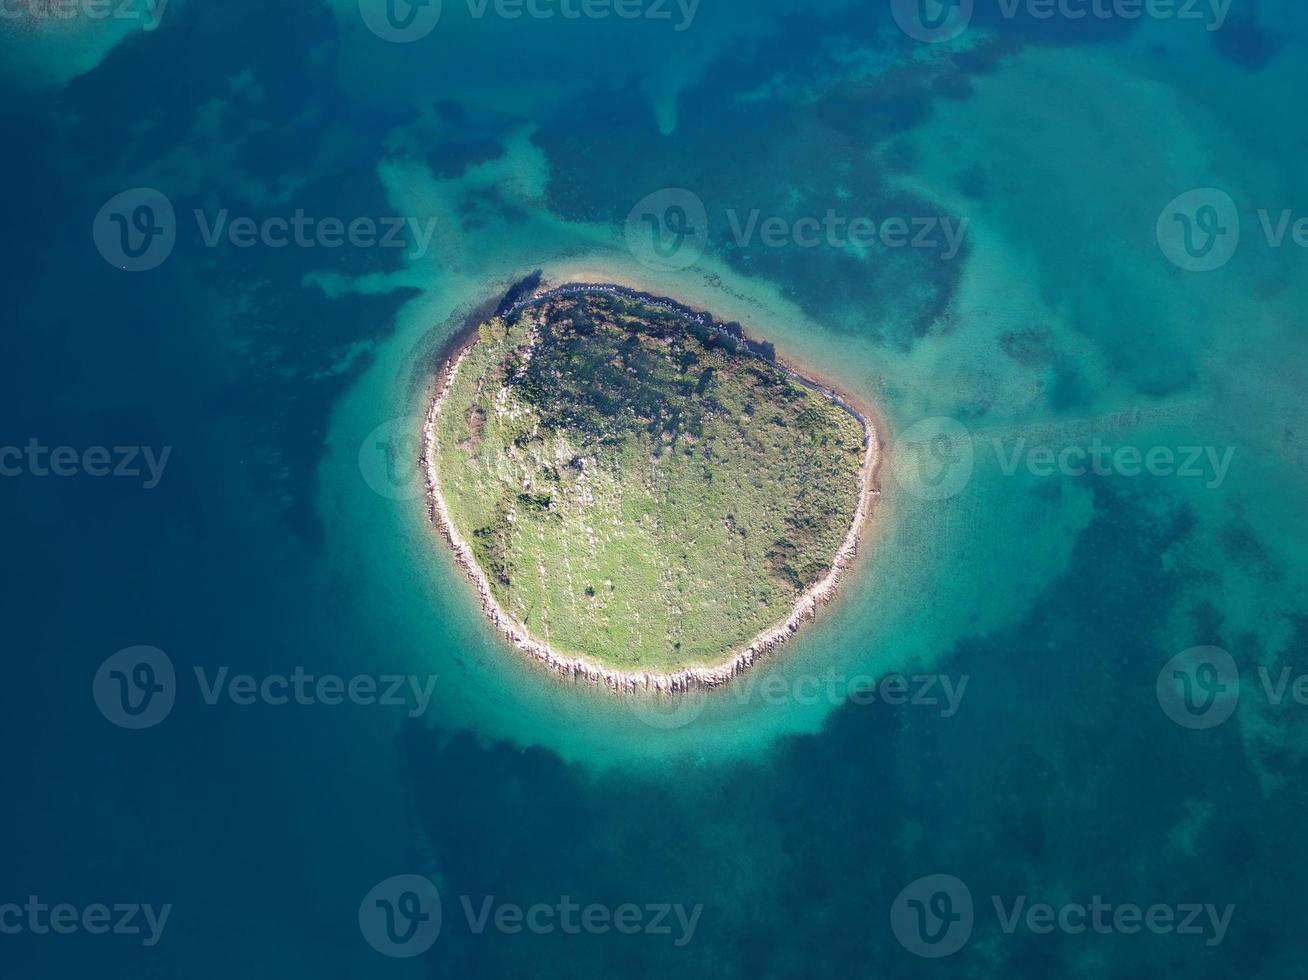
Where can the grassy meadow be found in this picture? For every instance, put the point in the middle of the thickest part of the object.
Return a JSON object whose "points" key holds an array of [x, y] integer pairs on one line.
{"points": [[638, 489]]}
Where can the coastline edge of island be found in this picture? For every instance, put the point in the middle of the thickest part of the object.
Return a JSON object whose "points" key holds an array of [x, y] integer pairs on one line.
{"points": [[582, 668]]}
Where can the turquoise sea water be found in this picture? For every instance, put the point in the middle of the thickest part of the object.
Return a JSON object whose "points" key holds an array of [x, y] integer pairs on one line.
{"points": [[1018, 721]]}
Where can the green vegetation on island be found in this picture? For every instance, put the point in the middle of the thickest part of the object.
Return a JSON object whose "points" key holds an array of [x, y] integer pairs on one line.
{"points": [[640, 489]]}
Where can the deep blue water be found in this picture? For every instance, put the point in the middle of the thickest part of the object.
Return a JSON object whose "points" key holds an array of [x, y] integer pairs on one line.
{"points": [[267, 545]]}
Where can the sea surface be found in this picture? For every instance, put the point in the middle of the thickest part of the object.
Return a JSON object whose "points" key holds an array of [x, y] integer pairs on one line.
{"points": [[1054, 724]]}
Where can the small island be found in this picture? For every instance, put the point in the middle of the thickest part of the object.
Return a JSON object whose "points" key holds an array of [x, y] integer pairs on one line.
{"points": [[642, 496]]}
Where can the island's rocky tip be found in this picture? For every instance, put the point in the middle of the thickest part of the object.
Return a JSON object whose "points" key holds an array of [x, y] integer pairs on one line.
{"points": [[643, 497]]}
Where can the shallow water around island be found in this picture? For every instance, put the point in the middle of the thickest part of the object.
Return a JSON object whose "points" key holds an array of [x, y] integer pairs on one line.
{"points": [[1005, 637], [866, 632]]}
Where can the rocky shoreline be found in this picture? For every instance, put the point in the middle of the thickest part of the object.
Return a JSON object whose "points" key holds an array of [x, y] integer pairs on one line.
{"points": [[583, 669]]}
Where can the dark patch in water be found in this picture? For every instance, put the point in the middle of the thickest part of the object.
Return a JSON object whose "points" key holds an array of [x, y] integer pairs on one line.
{"points": [[517, 293], [1242, 42], [1032, 347], [453, 157], [974, 182], [1041, 24], [1241, 544], [1067, 392]]}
